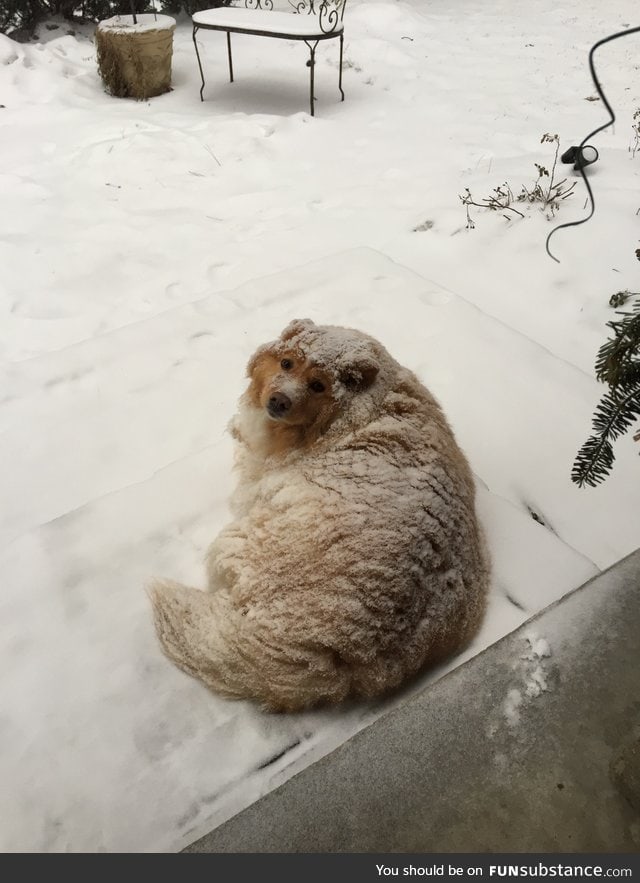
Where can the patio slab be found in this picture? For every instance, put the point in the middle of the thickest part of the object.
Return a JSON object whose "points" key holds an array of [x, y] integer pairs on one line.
{"points": [[511, 752]]}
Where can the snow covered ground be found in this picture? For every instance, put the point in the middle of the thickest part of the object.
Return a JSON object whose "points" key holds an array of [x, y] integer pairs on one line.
{"points": [[147, 248]]}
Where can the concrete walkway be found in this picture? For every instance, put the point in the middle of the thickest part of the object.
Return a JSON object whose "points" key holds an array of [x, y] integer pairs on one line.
{"points": [[531, 746]]}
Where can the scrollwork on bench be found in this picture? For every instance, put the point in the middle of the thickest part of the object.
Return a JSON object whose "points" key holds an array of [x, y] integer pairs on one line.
{"points": [[329, 14], [258, 4]]}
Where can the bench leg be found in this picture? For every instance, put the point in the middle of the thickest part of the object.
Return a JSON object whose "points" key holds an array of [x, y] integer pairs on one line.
{"points": [[312, 64], [340, 74], [195, 43], [229, 54]]}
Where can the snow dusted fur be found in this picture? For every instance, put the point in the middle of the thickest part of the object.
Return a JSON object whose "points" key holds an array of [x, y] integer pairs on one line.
{"points": [[355, 557]]}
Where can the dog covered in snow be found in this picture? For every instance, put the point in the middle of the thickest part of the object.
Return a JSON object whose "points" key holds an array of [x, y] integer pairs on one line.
{"points": [[355, 558]]}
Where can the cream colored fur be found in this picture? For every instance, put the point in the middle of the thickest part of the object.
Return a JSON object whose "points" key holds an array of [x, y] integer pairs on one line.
{"points": [[355, 558]]}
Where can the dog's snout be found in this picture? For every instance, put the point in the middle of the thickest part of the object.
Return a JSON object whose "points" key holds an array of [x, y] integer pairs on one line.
{"points": [[279, 404]]}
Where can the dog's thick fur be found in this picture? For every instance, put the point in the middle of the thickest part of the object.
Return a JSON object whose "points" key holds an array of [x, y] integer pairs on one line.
{"points": [[355, 557]]}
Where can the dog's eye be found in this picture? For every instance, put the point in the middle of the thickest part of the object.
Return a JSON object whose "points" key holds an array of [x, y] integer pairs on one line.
{"points": [[316, 386], [286, 364]]}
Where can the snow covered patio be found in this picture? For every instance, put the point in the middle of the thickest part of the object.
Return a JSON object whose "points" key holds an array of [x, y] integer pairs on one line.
{"points": [[148, 248]]}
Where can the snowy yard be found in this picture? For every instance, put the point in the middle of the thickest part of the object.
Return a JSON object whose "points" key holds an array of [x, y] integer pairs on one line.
{"points": [[148, 248]]}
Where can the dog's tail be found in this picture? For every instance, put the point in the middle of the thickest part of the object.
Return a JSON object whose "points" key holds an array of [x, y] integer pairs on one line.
{"points": [[240, 657], [194, 630]]}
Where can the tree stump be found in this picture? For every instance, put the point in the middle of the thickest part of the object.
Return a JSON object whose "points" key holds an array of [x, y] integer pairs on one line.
{"points": [[134, 60]]}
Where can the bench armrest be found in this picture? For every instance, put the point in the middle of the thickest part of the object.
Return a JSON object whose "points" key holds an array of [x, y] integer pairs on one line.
{"points": [[330, 12]]}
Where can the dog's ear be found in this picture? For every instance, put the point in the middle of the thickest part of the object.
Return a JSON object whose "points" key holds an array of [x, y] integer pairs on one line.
{"points": [[297, 326], [360, 375], [255, 358]]}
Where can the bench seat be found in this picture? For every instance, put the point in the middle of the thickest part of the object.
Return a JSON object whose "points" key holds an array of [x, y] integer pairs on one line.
{"points": [[261, 22]]}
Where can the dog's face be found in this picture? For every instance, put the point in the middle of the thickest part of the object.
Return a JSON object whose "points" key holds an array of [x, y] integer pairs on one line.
{"points": [[290, 389], [304, 379]]}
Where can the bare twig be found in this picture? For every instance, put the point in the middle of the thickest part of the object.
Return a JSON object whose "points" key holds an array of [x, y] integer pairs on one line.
{"points": [[549, 196], [500, 200], [636, 133]]}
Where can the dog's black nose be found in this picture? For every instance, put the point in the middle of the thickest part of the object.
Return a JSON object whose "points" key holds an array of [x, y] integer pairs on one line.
{"points": [[279, 404]]}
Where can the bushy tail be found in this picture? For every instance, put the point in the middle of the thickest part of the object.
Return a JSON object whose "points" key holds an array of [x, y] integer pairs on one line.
{"points": [[239, 657]]}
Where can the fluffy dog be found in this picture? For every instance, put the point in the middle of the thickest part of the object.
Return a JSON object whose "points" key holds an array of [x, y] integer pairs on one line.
{"points": [[355, 557]]}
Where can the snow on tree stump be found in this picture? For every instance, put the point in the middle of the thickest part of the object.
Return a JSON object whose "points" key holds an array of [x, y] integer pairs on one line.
{"points": [[134, 60]]}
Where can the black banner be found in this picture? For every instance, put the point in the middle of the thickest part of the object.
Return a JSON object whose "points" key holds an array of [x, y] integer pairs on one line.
{"points": [[360, 868]]}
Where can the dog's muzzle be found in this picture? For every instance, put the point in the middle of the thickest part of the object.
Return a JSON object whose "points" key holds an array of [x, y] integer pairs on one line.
{"points": [[278, 405]]}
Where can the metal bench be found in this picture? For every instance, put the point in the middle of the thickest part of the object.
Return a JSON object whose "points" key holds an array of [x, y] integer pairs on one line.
{"points": [[311, 22]]}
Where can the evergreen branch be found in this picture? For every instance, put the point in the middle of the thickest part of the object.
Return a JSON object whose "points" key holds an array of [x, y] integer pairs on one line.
{"points": [[618, 357], [613, 417], [593, 462], [617, 410]]}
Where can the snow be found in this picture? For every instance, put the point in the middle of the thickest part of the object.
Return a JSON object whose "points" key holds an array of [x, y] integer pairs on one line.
{"points": [[536, 682], [532, 677], [297, 25], [148, 248], [145, 21], [512, 707]]}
